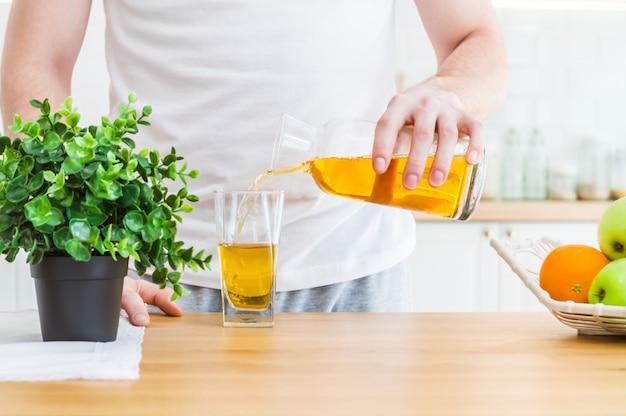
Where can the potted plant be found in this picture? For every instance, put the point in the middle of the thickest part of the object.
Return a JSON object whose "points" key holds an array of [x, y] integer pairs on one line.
{"points": [[78, 200]]}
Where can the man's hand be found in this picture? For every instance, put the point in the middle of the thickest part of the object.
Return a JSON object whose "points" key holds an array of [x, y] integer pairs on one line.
{"points": [[137, 293], [470, 82], [429, 110]]}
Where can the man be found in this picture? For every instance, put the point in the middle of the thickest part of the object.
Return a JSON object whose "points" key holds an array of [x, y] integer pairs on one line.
{"points": [[219, 74]]}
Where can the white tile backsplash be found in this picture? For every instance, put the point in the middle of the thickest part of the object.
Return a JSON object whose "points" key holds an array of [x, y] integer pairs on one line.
{"points": [[568, 73], [577, 81]]}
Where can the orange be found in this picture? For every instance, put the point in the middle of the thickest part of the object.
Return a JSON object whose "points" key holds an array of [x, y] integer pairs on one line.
{"points": [[567, 271]]}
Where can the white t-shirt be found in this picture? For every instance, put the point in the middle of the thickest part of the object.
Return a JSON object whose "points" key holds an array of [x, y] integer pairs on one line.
{"points": [[218, 75]]}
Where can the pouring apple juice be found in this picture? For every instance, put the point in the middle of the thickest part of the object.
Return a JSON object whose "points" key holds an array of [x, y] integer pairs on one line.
{"points": [[338, 158]]}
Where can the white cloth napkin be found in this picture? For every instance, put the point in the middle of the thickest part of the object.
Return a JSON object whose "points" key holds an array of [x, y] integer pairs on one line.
{"points": [[25, 357]]}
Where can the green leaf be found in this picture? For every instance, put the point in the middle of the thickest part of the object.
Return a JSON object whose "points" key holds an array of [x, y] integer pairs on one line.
{"points": [[130, 195], [5, 141], [36, 182], [11, 254], [17, 193], [174, 277], [89, 170], [169, 159], [67, 103], [38, 210], [150, 233], [7, 222], [35, 256], [78, 250], [179, 290], [45, 107], [154, 157], [17, 125], [171, 172], [31, 128], [155, 253], [186, 208], [32, 146], [182, 193], [159, 276], [173, 201], [72, 119], [135, 221], [120, 123], [110, 247], [51, 141], [86, 141], [61, 237], [110, 190], [55, 217], [96, 217], [49, 176], [76, 150], [72, 165], [80, 229], [36, 103]]}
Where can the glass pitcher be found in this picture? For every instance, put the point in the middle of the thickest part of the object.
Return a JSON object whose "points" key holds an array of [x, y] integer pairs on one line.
{"points": [[338, 157]]}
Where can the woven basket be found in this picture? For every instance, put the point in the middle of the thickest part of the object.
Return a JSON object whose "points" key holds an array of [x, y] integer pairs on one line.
{"points": [[588, 319]]}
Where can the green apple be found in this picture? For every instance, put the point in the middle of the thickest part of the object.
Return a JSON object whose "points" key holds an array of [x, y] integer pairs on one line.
{"points": [[612, 230], [609, 285]]}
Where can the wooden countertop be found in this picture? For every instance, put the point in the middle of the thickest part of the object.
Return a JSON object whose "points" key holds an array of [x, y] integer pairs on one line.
{"points": [[353, 364], [532, 211]]}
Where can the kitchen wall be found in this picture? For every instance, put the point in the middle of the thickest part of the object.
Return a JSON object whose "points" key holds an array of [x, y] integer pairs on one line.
{"points": [[568, 74]]}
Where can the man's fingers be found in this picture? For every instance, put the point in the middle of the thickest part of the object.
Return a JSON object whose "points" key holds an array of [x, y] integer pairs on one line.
{"points": [[137, 293], [162, 300], [385, 138], [474, 129], [133, 304]]}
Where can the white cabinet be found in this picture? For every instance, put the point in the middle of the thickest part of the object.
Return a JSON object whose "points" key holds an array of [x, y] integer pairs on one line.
{"points": [[455, 268], [449, 270]]}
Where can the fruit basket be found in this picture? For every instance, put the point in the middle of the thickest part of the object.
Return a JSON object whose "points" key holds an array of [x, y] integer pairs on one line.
{"points": [[588, 319]]}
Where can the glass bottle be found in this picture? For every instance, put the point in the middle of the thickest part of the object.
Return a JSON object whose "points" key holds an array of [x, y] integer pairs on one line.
{"points": [[512, 167], [535, 168], [593, 169], [618, 173], [491, 188], [562, 180], [339, 159]]}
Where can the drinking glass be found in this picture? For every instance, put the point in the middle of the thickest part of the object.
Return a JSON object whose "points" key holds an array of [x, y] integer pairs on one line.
{"points": [[248, 231]]}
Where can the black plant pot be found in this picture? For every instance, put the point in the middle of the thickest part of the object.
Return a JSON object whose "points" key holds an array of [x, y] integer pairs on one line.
{"points": [[79, 301]]}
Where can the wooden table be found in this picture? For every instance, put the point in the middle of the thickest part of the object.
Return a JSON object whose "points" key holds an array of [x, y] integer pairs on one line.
{"points": [[353, 364]]}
